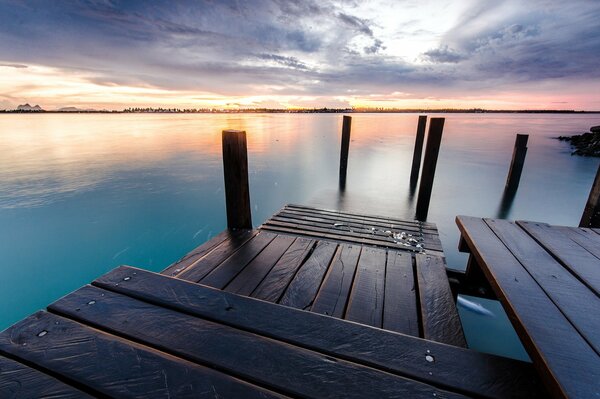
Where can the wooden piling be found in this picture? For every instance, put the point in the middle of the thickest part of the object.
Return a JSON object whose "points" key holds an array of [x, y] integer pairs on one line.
{"points": [[416, 163], [235, 168], [432, 149], [518, 159], [346, 126], [591, 213]]}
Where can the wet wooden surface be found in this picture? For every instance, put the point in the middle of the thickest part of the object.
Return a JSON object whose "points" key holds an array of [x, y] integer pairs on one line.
{"points": [[547, 279], [365, 270], [138, 334]]}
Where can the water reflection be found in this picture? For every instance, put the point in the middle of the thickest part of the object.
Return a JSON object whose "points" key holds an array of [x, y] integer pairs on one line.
{"points": [[81, 194]]}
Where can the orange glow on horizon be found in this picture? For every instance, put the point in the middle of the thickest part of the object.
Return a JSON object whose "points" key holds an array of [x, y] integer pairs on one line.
{"points": [[53, 88]]}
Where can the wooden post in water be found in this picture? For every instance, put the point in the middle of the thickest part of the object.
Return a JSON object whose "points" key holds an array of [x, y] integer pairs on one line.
{"points": [[346, 126], [235, 168], [591, 213], [518, 160], [432, 149], [416, 163]]}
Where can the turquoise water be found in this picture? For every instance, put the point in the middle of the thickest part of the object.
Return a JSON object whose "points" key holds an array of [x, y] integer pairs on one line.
{"points": [[81, 194]]}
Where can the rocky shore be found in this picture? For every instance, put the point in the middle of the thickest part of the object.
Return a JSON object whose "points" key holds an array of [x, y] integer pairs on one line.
{"points": [[586, 144]]}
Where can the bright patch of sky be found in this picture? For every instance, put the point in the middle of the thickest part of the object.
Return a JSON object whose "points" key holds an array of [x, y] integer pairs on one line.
{"points": [[275, 53]]}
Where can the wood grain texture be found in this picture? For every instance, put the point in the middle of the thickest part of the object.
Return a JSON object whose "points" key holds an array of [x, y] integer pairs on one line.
{"points": [[579, 261], [274, 284], [112, 366], [375, 218], [418, 150], [304, 286], [286, 368], [432, 149], [455, 368], [575, 300], [251, 276], [400, 304], [365, 305], [357, 222], [223, 273], [20, 381], [198, 252], [566, 362], [333, 295], [439, 317], [235, 174], [197, 270]]}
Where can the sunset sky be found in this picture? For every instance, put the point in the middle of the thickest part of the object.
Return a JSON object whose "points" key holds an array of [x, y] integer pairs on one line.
{"points": [[107, 54]]}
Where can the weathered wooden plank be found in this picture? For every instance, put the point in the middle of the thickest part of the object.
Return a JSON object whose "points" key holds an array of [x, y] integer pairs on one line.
{"points": [[430, 241], [304, 286], [439, 317], [198, 252], [579, 261], [353, 222], [366, 298], [286, 368], [235, 174], [274, 284], [576, 301], [197, 270], [367, 219], [454, 368], [586, 237], [111, 366], [333, 295], [355, 228], [20, 381], [566, 362], [359, 215], [222, 274], [400, 301], [339, 238], [251, 276]]}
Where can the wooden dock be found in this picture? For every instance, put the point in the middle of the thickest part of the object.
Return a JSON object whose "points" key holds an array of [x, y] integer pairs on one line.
{"points": [[313, 304], [548, 280]]}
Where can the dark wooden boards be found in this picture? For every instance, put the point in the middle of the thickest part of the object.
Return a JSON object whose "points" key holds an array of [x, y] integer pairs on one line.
{"points": [[332, 297], [439, 316], [305, 284], [267, 362], [206, 263], [574, 299], [564, 358], [400, 311], [451, 368], [109, 365], [365, 305], [344, 280], [579, 261], [20, 381], [358, 229]]}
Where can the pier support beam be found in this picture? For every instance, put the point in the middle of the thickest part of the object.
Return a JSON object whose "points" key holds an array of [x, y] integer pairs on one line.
{"points": [[518, 160], [432, 149], [346, 126], [416, 163], [591, 213], [235, 168]]}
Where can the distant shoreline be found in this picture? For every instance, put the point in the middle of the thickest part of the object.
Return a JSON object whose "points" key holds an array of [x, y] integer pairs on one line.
{"points": [[304, 111]]}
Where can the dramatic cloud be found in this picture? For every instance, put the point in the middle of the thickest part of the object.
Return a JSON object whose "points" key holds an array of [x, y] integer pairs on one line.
{"points": [[312, 52]]}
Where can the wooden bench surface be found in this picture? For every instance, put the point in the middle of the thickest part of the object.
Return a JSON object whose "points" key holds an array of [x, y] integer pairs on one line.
{"points": [[394, 286], [137, 334], [547, 279]]}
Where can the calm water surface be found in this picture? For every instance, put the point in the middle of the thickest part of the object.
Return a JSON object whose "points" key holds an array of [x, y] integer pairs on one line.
{"points": [[81, 194]]}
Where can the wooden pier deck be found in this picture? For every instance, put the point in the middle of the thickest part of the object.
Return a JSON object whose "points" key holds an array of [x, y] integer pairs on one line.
{"points": [[351, 313], [384, 273], [548, 280]]}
